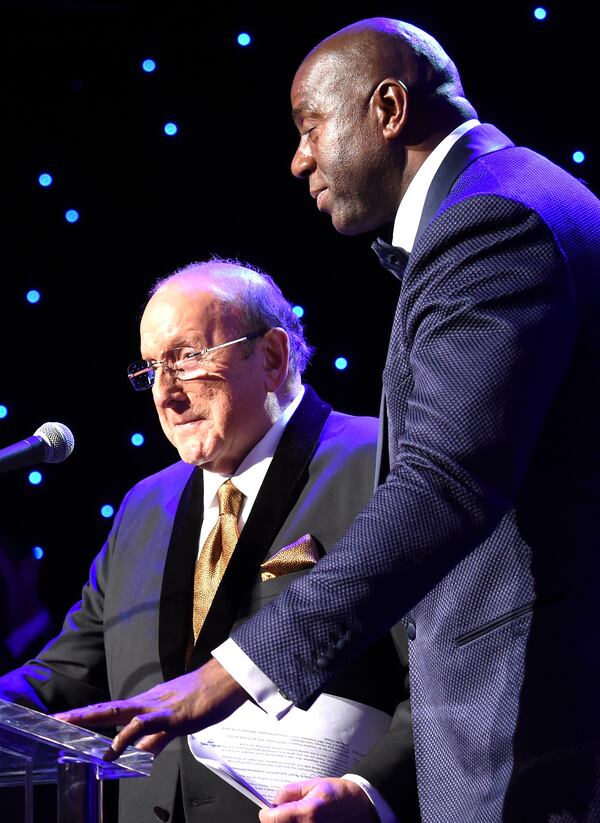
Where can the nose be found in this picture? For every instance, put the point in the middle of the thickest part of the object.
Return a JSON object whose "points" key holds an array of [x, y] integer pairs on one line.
{"points": [[303, 162], [167, 391]]}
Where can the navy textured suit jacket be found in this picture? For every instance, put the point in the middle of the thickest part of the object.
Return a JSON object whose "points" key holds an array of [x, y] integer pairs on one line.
{"points": [[485, 534], [131, 629]]}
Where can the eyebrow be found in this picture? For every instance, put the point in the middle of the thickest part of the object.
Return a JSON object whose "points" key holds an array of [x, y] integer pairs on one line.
{"points": [[304, 110]]}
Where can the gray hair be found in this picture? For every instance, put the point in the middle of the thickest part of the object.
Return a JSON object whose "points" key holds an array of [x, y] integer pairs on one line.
{"points": [[255, 297]]}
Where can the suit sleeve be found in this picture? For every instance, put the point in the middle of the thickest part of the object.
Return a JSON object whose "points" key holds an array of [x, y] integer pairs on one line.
{"points": [[71, 669], [487, 324]]}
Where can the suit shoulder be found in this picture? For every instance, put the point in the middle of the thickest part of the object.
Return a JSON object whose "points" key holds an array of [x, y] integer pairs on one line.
{"points": [[350, 431], [168, 481]]}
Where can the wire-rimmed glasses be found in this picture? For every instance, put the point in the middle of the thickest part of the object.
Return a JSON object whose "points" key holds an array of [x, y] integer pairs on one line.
{"points": [[183, 367]]}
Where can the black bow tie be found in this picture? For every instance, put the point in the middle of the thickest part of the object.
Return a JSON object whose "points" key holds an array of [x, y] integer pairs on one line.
{"points": [[391, 258]]}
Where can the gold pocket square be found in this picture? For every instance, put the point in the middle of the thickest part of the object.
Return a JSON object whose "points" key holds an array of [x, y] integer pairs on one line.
{"points": [[301, 554]]}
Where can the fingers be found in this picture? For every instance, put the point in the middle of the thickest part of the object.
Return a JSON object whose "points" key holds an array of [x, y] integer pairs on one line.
{"points": [[324, 800], [116, 713], [147, 726], [154, 743], [294, 791], [286, 800]]}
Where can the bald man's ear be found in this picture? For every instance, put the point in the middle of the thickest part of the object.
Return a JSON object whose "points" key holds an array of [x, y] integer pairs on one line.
{"points": [[390, 102], [276, 350]]}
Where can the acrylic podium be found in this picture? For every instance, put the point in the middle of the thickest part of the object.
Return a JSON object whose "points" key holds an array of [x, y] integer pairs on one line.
{"points": [[36, 748]]}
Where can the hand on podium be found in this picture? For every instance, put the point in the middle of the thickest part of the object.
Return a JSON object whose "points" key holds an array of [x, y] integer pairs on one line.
{"points": [[152, 719]]}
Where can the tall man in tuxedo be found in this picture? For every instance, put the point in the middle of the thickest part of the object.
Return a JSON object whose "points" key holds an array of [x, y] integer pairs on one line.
{"points": [[485, 534], [223, 354]]}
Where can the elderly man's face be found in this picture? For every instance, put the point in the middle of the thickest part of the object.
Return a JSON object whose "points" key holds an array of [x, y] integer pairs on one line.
{"points": [[213, 421], [341, 151]]}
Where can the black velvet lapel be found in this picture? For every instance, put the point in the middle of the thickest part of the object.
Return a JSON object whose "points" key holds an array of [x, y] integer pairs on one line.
{"points": [[279, 491], [175, 618], [480, 140]]}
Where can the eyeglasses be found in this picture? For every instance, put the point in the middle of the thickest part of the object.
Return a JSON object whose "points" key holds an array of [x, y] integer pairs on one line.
{"points": [[183, 367]]}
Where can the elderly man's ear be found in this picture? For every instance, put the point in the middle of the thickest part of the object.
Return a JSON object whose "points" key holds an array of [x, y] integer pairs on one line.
{"points": [[276, 352]]}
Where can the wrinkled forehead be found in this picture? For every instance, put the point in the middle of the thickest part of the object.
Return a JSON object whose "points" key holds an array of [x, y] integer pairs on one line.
{"points": [[178, 315]]}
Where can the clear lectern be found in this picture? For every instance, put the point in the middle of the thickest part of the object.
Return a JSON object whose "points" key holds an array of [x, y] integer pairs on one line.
{"points": [[36, 748]]}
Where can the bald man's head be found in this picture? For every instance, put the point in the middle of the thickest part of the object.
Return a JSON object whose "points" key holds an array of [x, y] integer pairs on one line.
{"points": [[371, 102], [368, 51]]}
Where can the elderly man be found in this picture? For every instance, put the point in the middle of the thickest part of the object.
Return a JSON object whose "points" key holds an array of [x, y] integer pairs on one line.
{"points": [[485, 532], [223, 354]]}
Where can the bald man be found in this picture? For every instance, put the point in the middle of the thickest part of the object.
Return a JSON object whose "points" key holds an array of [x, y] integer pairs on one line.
{"points": [[484, 533]]}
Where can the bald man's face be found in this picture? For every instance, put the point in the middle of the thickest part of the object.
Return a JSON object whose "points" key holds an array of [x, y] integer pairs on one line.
{"points": [[341, 151]]}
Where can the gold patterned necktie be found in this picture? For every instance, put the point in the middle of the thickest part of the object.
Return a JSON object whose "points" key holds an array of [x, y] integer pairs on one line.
{"points": [[216, 553]]}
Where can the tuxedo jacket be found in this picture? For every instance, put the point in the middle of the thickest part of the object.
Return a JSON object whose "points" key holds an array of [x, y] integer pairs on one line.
{"points": [[132, 627], [485, 534]]}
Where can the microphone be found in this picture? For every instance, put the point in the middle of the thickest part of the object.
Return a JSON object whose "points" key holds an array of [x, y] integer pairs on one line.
{"points": [[51, 443]]}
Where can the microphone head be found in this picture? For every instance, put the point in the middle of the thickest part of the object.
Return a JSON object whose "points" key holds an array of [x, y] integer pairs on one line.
{"points": [[59, 441]]}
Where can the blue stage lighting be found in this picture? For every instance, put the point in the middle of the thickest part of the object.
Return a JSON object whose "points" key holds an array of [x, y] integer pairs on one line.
{"points": [[35, 478], [149, 65], [244, 39], [33, 296], [341, 363], [137, 439], [71, 216], [37, 552], [107, 511], [298, 311], [578, 157], [45, 180], [540, 13], [3, 412], [170, 129]]}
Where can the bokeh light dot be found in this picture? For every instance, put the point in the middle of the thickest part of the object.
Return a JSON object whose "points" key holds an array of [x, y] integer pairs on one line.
{"points": [[37, 552], [33, 296], [244, 38], [298, 311], [3, 412], [71, 216], [149, 65], [578, 156], [107, 510], [341, 363], [170, 129], [137, 439], [45, 180], [540, 13], [35, 478]]}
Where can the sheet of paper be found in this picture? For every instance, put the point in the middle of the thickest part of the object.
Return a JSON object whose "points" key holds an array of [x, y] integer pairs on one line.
{"points": [[258, 754]]}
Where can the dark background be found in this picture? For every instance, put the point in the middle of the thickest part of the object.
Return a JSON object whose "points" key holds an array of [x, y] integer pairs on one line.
{"points": [[75, 103]]}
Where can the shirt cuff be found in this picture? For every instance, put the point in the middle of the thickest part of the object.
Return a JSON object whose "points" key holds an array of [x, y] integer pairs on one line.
{"points": [[386, 815], [252, 679]]}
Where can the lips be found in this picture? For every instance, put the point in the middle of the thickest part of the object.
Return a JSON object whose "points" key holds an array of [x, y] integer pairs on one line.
{"points": [[319, 194]]}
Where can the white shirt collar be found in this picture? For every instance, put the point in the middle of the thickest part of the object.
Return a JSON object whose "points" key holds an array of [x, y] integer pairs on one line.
{"points": [[411, 206], [252, 470]]}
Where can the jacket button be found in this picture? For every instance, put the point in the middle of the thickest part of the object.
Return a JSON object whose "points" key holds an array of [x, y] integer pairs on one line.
{"points": [[322, 661], [340, 644], [411, 631], [162, 814]]}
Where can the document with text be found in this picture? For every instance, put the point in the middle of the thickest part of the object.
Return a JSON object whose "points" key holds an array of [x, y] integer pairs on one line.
{"points": [[258, 754]]}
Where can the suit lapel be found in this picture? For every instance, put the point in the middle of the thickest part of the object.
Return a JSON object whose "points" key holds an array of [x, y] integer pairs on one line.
{"points": [[175, 618], [280, 490], [477, 142], [480, 140]]}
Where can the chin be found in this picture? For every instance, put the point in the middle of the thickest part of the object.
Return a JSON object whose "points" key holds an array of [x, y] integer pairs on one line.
{"points": [[351, 226]]}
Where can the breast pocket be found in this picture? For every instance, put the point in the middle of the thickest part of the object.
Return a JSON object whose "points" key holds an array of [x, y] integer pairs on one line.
{"points": [[495, 624]]}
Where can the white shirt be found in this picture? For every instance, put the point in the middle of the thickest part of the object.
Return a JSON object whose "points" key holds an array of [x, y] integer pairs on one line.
{"points": [[229, 654], [249, 476]]}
